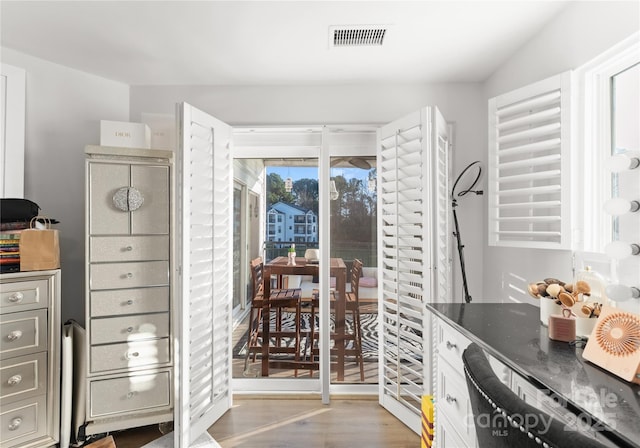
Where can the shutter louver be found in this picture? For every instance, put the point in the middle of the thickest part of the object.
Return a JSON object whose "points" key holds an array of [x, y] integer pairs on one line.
{"points": [[413, 175], [442, 223], [529, 171], [206, 275]]}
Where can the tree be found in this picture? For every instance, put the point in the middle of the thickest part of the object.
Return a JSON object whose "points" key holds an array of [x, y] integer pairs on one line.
{"points": [[353, 214], [306, 194], [276, 191]]}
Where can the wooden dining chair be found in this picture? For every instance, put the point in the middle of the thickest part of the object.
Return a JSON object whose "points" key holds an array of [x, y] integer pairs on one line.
{"points": [[279, 301], [352, 305]]}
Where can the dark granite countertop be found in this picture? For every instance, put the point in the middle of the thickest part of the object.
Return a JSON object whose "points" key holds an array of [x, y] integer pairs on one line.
{"points": [[512, 333]]}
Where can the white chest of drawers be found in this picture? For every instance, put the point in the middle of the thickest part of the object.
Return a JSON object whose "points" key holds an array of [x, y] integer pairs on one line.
{"points": [[30, 359], [128, 278]]}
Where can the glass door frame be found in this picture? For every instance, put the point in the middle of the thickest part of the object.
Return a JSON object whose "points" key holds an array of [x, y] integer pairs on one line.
{"points": [[323, 153], [240, 310]]}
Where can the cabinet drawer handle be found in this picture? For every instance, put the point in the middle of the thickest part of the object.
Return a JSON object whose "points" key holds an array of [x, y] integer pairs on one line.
{"points": [[129, 275], [129, 302], [16, 297], [130, 355], [450, 399], [15, 424], [128, 248], [451, 345], [14, 380], [129, 329], [131, 394], [14, 335]]}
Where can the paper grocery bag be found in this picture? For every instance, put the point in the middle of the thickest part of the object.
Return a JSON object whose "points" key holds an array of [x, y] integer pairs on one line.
{"points": [[39, 248]]}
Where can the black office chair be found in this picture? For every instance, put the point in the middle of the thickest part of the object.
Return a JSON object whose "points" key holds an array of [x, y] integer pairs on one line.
{"points": [[502, 419]]}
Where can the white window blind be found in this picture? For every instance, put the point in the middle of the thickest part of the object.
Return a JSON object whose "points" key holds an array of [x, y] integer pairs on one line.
{"points": [[529, 166]]}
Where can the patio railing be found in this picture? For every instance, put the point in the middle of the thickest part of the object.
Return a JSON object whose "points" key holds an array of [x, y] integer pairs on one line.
{"points": [[366, 252]]}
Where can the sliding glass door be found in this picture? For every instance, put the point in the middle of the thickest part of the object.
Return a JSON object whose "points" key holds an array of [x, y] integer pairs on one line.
{"points": [[318, 197]]}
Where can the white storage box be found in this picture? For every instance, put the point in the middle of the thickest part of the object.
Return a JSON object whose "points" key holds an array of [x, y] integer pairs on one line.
{"points": [[163, 130], [125, 134]]}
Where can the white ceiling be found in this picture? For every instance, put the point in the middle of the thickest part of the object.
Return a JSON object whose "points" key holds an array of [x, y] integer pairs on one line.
{"points": [[273, 42]]}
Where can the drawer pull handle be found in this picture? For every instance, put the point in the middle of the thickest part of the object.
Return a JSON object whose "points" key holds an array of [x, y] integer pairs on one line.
{"points": [[129, 275], [16, 297], [14, 380], [128, 248], [451, 345], [131, 394], [450, 399], [130, 355], [15, 424], [129, 302], [129, 329], [14, 335]]}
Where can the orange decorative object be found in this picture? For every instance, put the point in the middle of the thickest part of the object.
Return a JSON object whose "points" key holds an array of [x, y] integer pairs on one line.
{"points": [[614, 343]]}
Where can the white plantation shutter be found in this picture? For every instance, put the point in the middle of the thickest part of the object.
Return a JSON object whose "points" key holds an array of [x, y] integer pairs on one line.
{"points": [[529, 166], [408, 156], [205, 257], [442, 211]]}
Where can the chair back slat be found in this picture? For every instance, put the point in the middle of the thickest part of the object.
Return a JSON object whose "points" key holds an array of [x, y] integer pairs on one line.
{"points": [[256, 275], [356, 273]]}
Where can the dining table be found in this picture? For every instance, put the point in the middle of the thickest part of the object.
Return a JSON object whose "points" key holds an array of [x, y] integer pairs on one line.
{"points": [[280, 267]]}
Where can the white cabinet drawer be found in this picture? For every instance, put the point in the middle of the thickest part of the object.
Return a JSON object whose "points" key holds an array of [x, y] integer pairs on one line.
{"points": [[447, 437], [23, 377], [23, 333], [135, 393], [24, 295], [23, 421], [129, 355], [453, 400], [129, 301], [129, 248], [129, 328], [129, 275], [451, 344]]}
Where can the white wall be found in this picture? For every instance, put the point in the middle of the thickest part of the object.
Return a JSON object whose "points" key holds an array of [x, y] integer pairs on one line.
{"points": [[581, 31], [462, 104], [63, 109]]}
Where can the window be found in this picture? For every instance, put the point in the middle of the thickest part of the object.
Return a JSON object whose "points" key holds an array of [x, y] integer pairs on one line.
{"points": [[12, 102], [610, 112], [609, 180], [529, 162]]}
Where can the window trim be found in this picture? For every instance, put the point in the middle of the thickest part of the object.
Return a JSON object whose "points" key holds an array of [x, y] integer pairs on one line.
{"points": [[591, 184]]}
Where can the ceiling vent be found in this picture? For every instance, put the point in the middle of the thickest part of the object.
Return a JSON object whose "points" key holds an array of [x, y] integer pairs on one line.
{"points": [[357, 35]]}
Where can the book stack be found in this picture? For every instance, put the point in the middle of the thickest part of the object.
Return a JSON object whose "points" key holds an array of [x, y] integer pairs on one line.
{"points": [[10, 251]]}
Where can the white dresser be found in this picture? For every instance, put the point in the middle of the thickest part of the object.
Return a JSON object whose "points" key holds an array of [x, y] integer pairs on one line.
{"points": [[30, 359], [128, 281]]}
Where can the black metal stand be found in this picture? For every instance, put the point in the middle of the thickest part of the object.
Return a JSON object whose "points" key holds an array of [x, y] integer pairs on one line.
{"points": [[467, 296]]}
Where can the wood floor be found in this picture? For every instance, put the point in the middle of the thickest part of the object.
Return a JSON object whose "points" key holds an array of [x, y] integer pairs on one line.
{"points": [[258, 422]]}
